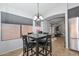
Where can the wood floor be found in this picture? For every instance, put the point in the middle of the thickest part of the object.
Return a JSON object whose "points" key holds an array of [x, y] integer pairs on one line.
{"points": [[17, 52], [57, 49]]}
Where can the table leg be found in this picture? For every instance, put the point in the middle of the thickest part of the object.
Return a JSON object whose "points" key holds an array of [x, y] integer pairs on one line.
{"points": [[37, 50], [50, 47]]}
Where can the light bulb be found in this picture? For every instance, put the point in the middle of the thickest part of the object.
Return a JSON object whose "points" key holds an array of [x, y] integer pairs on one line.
{"points": [[35, 17], [41, 17], [38, 19]]}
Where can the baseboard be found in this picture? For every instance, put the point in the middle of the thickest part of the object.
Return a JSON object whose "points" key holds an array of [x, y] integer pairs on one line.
{"points": [[21, 54], [9, 51], [73, 50]]}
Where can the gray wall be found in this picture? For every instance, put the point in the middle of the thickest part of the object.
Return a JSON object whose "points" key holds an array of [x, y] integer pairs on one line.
{"points": [[6, 46], [73, 12]]}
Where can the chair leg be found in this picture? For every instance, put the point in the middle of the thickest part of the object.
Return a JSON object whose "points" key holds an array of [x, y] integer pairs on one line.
{"points": [[46, 50], [50, 51], [27, 51], [24, 50], [43, 49], [50, 48], [31, 51]]}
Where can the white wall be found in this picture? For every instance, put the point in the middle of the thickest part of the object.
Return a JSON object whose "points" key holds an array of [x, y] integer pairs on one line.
{"points": [[9, 45], [33, 26], [45, 26], [6, 46]]}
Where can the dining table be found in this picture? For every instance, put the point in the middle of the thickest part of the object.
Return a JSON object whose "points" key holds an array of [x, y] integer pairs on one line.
{"points": [[37, 37]]}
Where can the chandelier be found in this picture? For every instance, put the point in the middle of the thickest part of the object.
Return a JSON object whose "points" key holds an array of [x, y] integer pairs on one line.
{"points": [[38, 17]]}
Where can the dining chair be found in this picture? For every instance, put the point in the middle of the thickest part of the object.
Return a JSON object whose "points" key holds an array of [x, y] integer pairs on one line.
{"points": [[44, 33], [49, 45], [43, 44], [40, 32], [46, 45], [31, 40], [30, 33], [27, 45]]}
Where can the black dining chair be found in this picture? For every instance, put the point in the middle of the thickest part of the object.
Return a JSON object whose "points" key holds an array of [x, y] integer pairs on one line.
{"points": [[27, 45], [40, 32], [44, 33], [31, 40], [43, 44], [49, 45], [30, 33], [46, 44]]}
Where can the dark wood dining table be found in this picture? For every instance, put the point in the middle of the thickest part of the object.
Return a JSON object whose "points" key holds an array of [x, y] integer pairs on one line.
{"points": [[37, 37]]}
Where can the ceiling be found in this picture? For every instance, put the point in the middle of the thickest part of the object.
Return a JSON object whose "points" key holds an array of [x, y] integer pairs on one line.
{"points": [[55, 19], [29, 10]]}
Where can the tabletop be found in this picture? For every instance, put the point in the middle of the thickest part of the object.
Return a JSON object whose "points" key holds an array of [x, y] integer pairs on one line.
{"points": [[37, 35]]}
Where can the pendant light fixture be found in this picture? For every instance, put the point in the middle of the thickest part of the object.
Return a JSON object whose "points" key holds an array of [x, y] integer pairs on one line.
{"points": [[38, 17]]}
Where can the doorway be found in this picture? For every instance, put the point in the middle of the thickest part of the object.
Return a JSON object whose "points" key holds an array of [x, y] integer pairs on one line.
{"points": [[57, 29]]}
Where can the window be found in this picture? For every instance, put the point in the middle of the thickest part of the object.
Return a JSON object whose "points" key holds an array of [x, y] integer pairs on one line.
{"points": [[14, 31], [10, 31], [26, 29]]}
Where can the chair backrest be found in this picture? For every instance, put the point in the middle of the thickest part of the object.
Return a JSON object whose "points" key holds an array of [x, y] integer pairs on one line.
{"points": [[30, 39], [24, 38], [43, 39], [49, 37], [40, 32], [45, 33], [30, 33]]}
